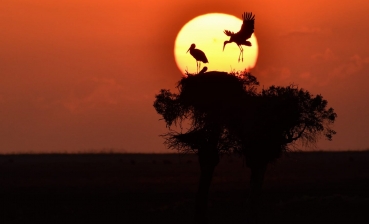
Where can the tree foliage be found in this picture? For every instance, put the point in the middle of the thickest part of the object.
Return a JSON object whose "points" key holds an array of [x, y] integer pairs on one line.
{"points": [[227, 113], [207, 101], [282, 115]]}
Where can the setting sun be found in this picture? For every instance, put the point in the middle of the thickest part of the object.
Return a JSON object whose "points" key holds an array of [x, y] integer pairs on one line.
{"points": [[206, 31]]}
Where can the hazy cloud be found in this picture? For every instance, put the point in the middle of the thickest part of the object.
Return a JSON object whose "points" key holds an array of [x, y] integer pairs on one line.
{"points": [[305, 75], [327, 55], [303, 31], [285, 73], [274, 75], [94, 92], [334, 68], [352, 66]]}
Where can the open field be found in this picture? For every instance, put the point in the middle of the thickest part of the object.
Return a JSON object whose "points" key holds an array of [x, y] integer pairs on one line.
{"points": [[310, 187]]}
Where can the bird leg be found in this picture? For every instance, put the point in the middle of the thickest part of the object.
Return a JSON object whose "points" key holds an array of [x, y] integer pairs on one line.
{"points": [[198, 65], [239, 46], [241, 53]]}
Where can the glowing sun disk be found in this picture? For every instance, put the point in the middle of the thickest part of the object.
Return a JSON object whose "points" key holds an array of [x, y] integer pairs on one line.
{"points": [[206, 31]]}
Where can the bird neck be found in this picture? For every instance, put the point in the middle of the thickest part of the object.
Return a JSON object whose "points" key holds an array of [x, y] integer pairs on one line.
{"points": [[225, 43]]}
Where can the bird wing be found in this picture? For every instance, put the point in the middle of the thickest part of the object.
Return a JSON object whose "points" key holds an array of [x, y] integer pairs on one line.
{"points": [[228, 33], [247, 27]]}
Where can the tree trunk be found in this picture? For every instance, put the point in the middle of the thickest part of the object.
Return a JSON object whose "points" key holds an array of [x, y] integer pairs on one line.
{"points": [[208, 160], [256, 183]]}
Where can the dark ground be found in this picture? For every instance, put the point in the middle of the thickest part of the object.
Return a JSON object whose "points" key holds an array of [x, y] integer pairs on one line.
{"points": [[316, 187]]}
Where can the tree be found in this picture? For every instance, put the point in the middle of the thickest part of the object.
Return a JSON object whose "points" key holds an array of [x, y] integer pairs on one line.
{"points": [[279, 116], [207, 101], [226, 113]]}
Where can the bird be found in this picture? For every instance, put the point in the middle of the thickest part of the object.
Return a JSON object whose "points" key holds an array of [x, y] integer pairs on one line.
{"points": [[199, 55], [203, 70], [240, 38]]}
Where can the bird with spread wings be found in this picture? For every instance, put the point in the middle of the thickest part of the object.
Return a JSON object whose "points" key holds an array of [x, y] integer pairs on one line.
{"points": [[240, 38]]}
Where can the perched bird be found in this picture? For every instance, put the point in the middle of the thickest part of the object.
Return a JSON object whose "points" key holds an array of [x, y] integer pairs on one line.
{"points": [[199, 55], [240, 38], [203, 70]]}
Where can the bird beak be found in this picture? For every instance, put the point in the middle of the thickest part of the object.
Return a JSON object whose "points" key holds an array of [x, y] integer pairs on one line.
{"points": [[225, 42], [188, 50]]}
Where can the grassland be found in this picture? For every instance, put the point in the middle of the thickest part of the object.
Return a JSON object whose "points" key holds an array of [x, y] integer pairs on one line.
{"points": [[302, 187]]}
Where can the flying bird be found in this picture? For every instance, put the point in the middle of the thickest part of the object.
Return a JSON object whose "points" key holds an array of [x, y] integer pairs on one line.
{"points": [[240, 38], [199, 55]]}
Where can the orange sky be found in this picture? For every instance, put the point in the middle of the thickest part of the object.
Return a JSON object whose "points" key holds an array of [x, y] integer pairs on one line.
{"points": [[81, 75]]}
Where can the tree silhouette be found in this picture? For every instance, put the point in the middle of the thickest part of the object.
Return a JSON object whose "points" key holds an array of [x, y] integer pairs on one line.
{"points": [[206, 100], [275, 118], [226, 113]]}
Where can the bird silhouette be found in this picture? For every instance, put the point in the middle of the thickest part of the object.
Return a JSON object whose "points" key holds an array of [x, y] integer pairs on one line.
{"points": [[203, 70], [199, 55], [240, 38]]}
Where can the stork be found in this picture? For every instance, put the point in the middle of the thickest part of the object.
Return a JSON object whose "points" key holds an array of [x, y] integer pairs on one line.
{"points": [[199, 55], [240, 38]]}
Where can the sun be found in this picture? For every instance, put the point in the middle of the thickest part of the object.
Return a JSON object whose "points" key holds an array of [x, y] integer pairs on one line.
{"points": [[206, 31]]}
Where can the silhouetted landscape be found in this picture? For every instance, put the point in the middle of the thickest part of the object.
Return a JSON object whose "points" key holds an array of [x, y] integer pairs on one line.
{"points": [[301, 187], [235, 133], [226, 113]]}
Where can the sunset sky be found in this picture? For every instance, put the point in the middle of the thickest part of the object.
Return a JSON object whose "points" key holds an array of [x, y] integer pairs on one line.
{"points": [[81, 75]]}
